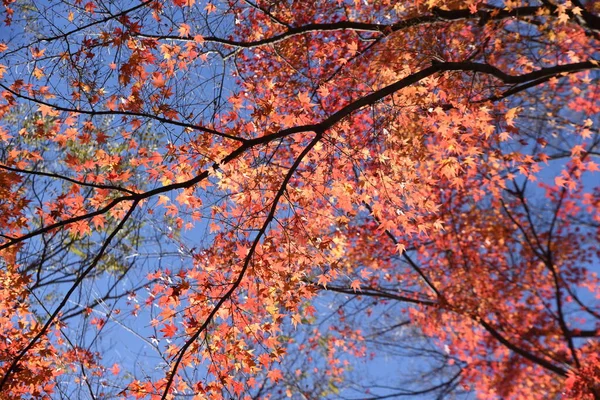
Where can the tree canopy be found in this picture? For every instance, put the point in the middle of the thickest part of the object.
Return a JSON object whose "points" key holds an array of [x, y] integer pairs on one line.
{"points": [[249, 198]]}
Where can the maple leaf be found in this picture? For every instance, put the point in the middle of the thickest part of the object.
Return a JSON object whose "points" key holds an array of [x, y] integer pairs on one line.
{"points": [[265, 360], [38, 73], [323, 91], [169, 330], [184, 30], [577, 150], [510, 116], [47, 111], [563, 18], [183, 198], [184, 3], [210, 7], [172, 210], [592, 166], [355, 285], [199, 39], [323, 280], [400, 248], [4, 135], [304, 98], [353, 48], [275, 375], [79, 229], [36, 52], [158, 80], [98, 221], [241, 251], [90, 7], [296, 319], [504, 136], [97, 322], [238, 387]]}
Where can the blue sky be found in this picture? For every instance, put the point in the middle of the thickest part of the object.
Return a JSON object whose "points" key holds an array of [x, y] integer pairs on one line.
{"points": [[138, 347]]}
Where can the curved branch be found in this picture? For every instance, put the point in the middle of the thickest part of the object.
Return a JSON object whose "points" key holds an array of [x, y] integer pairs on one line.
{"points": [[523, 353], [489, 328], [246, 264], [81, 28], [409, 260], [541, 73], [444, 385], [324, 125], [123, 113], [66, 178], [438, 15], [13, 365], [373, 292]]}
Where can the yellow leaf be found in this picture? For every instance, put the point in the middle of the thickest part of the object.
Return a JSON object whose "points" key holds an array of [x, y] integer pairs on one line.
{"points": [[38, 73], [510, 116], [162, 199], [184, 30]]}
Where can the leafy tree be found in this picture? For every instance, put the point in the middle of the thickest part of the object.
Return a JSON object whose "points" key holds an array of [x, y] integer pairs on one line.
{"points": [[262, 193]]}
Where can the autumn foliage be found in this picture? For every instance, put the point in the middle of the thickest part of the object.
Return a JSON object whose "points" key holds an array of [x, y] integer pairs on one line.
{"points": [[252, 199]]}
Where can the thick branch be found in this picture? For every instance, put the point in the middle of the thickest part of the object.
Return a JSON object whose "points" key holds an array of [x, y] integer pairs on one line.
{"points": [[246, 264], [523, 353], [326, 124], [437, 16]]}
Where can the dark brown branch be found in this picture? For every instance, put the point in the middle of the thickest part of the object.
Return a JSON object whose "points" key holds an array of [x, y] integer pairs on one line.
{"points": [[326, 124], [523, 353], [66, 178], [409, 260], [245, 266], [438, 15], [444, 385], [548, 72], [592, 333], [488, 327], [374, 292], [81, 28], [557, 280], [123, 113], [13, 365], [517, 89]]}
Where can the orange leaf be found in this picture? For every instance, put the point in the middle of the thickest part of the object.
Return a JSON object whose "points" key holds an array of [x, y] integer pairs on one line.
{"points": [[210, 8], [275, 375], [169, 330], [184, 30]]}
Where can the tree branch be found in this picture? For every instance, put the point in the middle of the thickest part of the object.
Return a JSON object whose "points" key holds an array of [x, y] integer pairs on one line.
{"points": [[13, 365], [246, 264]]}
